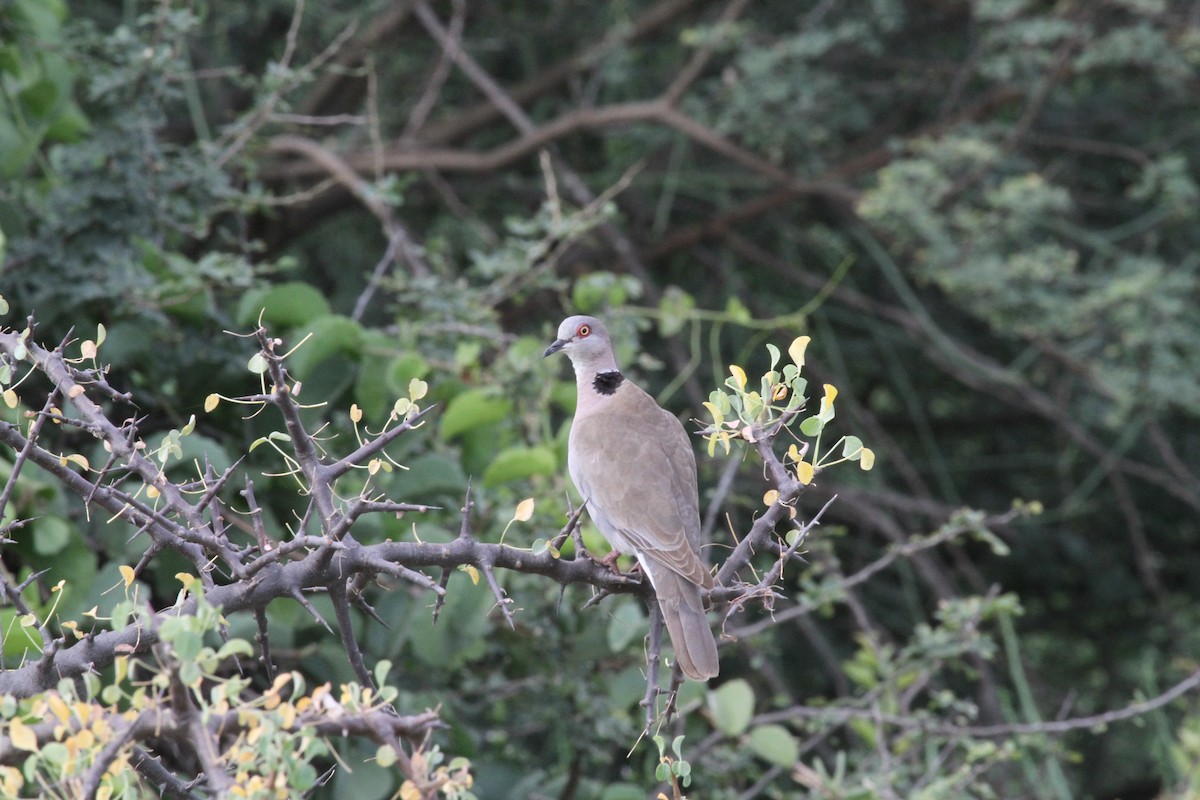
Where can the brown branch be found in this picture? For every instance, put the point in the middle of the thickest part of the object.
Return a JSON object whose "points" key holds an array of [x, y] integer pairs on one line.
{"points": [[351, 55], [341, 611], [466, 121], [842, 714], [345, 173], [699, 60], [424, 105]]}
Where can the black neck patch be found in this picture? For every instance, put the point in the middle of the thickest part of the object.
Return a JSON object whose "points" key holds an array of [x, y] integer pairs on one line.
{"points": [[607, 383]]}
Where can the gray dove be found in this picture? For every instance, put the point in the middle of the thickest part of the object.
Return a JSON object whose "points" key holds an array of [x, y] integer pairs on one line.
{"points": [[634, 466]]}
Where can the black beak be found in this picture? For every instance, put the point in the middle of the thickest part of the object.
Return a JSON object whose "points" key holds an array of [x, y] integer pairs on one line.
{"points": [[557, 345]]}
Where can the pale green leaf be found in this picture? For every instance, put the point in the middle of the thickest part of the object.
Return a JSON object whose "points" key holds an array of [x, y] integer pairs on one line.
{"points": [[732, 706], [257, 364], [774, 744]]}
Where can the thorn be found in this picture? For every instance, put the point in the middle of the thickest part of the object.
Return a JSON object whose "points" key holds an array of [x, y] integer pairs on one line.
{"points": [[310, 608]]}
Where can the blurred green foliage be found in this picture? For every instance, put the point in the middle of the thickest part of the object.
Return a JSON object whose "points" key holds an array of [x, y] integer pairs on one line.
{"points": [[1002, 283]]}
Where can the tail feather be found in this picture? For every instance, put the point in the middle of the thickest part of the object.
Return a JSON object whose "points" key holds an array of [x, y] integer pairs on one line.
{"points": [[687, 625]]}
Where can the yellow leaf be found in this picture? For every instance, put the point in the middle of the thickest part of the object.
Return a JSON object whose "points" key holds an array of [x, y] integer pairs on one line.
{"points": [[23, 737], [867, 460], [128, 574], [805, 472], [717, 416], [770, 497], [79, 459], [417, 389], [88, 348], [524, 510], [779, 392], [10, 398], [58, 707], [470, 570], [826, 412], [152, 491], [796, 349], [287, 716], [409, 791], [739, 375], [355, 413], [211, 402], [793, 452], [186, 579], [373, 466]]}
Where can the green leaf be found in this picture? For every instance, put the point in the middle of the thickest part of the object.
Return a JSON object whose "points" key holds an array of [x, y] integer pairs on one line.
{"points": [[675, 309], [774, 744], [382, 668], [286, 305], [188, 644], [50, 535], [737, 311], [732, 706], [626, 624], [331, 335], [403, 369], [473, 408], [235, 647], [774, 351], [519, 463], [852, 447], [599, 290], [812, 426], [257, 364], [39, 98]]}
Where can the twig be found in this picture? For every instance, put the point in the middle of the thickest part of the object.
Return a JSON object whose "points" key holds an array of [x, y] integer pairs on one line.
{"points": [[425, 103], [341, 611]]}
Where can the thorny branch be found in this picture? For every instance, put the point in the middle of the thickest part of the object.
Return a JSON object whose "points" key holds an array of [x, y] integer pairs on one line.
{"points": [[245, 567]]}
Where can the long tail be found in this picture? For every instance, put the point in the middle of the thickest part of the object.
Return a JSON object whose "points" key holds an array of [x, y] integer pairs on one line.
{"points": [[683, 611]]}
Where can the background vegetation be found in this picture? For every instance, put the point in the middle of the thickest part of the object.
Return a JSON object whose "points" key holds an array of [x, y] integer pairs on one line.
{"points": [[984, 214]]}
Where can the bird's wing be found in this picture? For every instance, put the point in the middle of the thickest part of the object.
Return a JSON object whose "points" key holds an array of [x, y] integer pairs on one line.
{"points": [[635, 466]]}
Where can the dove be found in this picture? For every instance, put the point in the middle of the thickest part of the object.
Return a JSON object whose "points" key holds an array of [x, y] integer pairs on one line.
{"points": [[633, 464]]}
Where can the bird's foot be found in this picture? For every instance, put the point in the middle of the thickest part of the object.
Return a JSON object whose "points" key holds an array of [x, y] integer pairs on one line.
{"points": [[609, 560]]}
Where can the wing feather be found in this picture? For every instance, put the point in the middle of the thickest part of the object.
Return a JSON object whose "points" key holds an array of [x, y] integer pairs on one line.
{"points": [[634, 465]]}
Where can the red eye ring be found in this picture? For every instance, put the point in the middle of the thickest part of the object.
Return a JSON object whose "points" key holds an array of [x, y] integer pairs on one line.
{"points": [[583, 331]]}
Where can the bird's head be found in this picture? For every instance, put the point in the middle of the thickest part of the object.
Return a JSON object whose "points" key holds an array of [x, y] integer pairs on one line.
{"points": [[585, 341]]}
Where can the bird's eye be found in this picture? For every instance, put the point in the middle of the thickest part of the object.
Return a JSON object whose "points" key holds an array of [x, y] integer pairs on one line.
{"points": [[583, 331]]}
